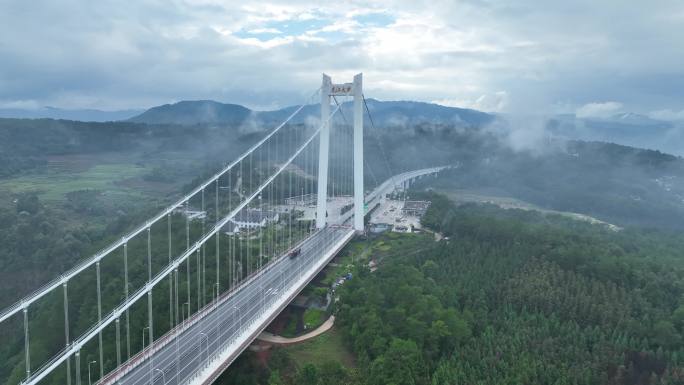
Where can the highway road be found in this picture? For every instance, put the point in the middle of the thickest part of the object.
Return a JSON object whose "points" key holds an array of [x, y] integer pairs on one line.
{"points": [[177, 361], [177, 358]]}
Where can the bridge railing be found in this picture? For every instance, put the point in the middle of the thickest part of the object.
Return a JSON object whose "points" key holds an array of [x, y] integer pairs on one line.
{"points": [[188, 323], [338, 240]]}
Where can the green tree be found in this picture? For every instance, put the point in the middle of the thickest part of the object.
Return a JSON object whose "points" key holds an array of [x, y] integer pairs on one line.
{"points": [[308, 375], [274, 378], [401, 364]]}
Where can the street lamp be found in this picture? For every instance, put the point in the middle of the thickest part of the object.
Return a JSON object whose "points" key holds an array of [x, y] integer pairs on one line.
{"points": [[143, 336], [183, 312], [163, 375], [89, 364]]}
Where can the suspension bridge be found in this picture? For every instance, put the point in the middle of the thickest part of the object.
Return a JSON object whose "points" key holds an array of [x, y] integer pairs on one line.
{"points": [[199, 281]]}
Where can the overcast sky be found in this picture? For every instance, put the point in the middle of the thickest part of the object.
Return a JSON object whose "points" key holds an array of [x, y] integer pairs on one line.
{"points": [[592, 57]]}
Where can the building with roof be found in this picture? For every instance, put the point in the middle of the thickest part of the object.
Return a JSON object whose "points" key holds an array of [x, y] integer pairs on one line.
{"points": [[249, 219], [301, 200]]}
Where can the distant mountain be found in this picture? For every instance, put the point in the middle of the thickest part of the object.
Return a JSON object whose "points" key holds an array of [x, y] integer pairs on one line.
{"points": [[194, 112], [58, 113], [407, 113], [392, 113]]}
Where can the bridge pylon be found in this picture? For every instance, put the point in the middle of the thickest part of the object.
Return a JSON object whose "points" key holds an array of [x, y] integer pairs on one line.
{"points": [[328, 90]]}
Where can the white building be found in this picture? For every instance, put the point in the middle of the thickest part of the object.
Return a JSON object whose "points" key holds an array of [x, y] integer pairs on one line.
{"points": [[301, 200], [249, 219]]}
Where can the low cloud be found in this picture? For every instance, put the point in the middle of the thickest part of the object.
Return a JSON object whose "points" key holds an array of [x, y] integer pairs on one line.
{"points": [[496, 102], [669, 115], [522, 133], [20, 104], [599, 110]]}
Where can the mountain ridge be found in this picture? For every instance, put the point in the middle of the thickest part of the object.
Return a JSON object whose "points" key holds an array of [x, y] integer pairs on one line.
{"points": [[83, 115], [192, 112]]}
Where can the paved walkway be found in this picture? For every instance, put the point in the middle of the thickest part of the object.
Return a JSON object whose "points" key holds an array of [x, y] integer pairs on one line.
{"points": [[279, 340]]}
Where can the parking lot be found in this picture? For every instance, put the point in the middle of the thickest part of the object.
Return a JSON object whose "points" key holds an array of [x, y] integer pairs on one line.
{"points": [[390, 212]]}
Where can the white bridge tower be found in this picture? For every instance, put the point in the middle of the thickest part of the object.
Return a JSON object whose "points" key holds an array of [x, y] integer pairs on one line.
{"points": [[329, 89]]}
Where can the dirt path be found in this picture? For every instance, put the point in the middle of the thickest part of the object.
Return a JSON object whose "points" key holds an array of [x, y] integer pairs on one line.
{"points": [[279, 340]]}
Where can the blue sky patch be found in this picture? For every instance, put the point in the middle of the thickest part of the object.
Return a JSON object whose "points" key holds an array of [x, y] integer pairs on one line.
{"points": [[379, 19], [275, 29], [286, 28]]}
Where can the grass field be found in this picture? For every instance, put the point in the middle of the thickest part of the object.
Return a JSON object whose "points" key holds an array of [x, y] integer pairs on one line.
{"points": [[54, 185], [313, 318], [469, 196], [329, 346], [118, 176]]}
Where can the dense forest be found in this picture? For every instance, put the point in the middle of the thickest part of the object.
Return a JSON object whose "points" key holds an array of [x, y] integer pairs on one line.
{"points": [[26, 144], [512, 297], [520, 297], [509, 297], [620, 184]]}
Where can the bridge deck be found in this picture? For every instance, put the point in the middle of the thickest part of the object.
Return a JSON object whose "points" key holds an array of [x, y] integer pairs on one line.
{"points": [[180, 355], [197, 352]]}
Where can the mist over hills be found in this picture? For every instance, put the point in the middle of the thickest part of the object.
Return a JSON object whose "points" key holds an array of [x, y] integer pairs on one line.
{"points": [[626, 128], [563, 163], [84, 115]]}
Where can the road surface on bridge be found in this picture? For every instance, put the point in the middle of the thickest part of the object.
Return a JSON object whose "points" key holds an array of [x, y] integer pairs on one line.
{"points": [[176, 362], [178, 356]]}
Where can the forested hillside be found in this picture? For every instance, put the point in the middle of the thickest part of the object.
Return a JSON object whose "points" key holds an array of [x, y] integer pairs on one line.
{"points": [[27, 144], [618, 184], [514, 297], [519, 297]]}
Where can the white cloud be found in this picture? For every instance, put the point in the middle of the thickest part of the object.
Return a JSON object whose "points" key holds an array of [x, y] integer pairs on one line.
{"points": [[668, 114], [19, 104], [456, 52], [599, 110], [496, 102]]}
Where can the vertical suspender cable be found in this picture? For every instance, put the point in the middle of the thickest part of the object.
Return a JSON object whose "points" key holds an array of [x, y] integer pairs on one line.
{"points": [[150, 319], [26, 344], [168, 227], [203, 273], [99, 315], [290, 195], [231, 241], [270, 228], [149, 278], [78, 367], [175, 287], [187, 246], [128, 329], [218, 238], [118, 343], [199, 279], [66, 330]]}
